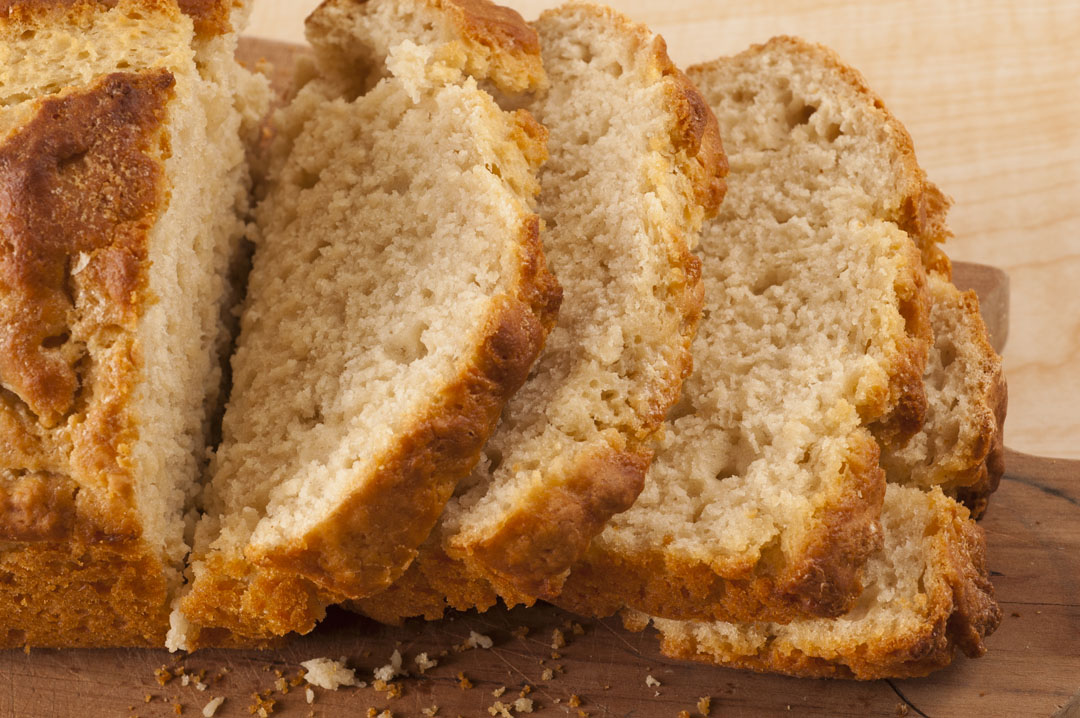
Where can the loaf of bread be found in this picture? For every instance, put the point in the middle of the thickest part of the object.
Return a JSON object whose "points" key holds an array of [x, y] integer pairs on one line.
{"points": [[926, 595], [399, 295], [124, 185]]}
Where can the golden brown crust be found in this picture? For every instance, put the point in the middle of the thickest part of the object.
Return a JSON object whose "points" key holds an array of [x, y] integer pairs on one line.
{"points": [[81, 183], [210, 17], [824, 583], [357, 551], [55, 175], [960, 614], [538, 541], [56, 594]]}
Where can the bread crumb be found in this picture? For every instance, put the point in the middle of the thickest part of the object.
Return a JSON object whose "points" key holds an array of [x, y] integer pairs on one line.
{"points": [[704, 705], [328, 673], [651, 682], [211, 708], [901, 710], [525, 691], [478, 640], [575, 700], [500, 709], [520, 632], [261, 705], [683, 714], [393, 690], [178, 709], [430, 712], [309, 694], [558, 640], [148, 698], [576, 628], [555, 655], [185, 679], [499, 691], [523, 705], [547, 675], [200, 686], [423, 663], [391, 669], [164, 675], [463, 682]]}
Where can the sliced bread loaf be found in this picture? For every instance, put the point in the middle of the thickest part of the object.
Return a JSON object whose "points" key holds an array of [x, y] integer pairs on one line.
{"points": [[636, 164], [926, 594], [124, 186], [398, 297]]}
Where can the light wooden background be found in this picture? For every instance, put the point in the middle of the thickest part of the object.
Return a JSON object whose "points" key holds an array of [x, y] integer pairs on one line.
{"points": [[990, 91]]}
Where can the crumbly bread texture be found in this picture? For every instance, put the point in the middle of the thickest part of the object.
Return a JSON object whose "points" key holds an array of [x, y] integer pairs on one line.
{"points": [[762, 501], [961, 445], [124, 185], [398, 297], [964, 387], [636, 164], [926, 594]]}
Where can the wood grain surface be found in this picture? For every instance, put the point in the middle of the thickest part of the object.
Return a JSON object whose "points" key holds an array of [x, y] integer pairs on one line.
{"points": [[989, 91]]}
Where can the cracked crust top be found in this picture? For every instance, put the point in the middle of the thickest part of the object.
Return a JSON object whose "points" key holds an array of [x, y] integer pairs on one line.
{"points": [[210, 17], [81, 183]]}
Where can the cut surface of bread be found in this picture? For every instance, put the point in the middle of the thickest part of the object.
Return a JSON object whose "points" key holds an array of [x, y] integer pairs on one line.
{"points": [[961, 445], [635, 164], [926, 595], [762, 501], [124, 187], [398, 297]]}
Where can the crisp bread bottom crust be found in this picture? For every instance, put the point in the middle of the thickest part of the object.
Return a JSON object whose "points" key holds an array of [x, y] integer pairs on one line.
{"points": [[960, 614]]}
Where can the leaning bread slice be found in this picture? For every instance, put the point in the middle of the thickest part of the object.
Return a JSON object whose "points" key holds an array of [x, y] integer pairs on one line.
{"points": [[636, 164], [926, 595], [961, 444], [762, 501], [398, 296], [124, 187]]}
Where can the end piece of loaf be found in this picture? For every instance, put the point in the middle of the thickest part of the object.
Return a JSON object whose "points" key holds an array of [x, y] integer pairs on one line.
{"points": [[961, 445], [124, 186], [398, 297], [926, 595]]}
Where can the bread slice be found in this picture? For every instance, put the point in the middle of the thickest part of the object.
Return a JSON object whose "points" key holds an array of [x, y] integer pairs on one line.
{"points": [[636, 164], [961, 445], [926, 595], [763, 499], [124, 186], [398, 297]]}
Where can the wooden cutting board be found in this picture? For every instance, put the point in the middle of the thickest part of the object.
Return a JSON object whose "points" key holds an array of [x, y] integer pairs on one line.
{"points": [[1032, 668]]}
